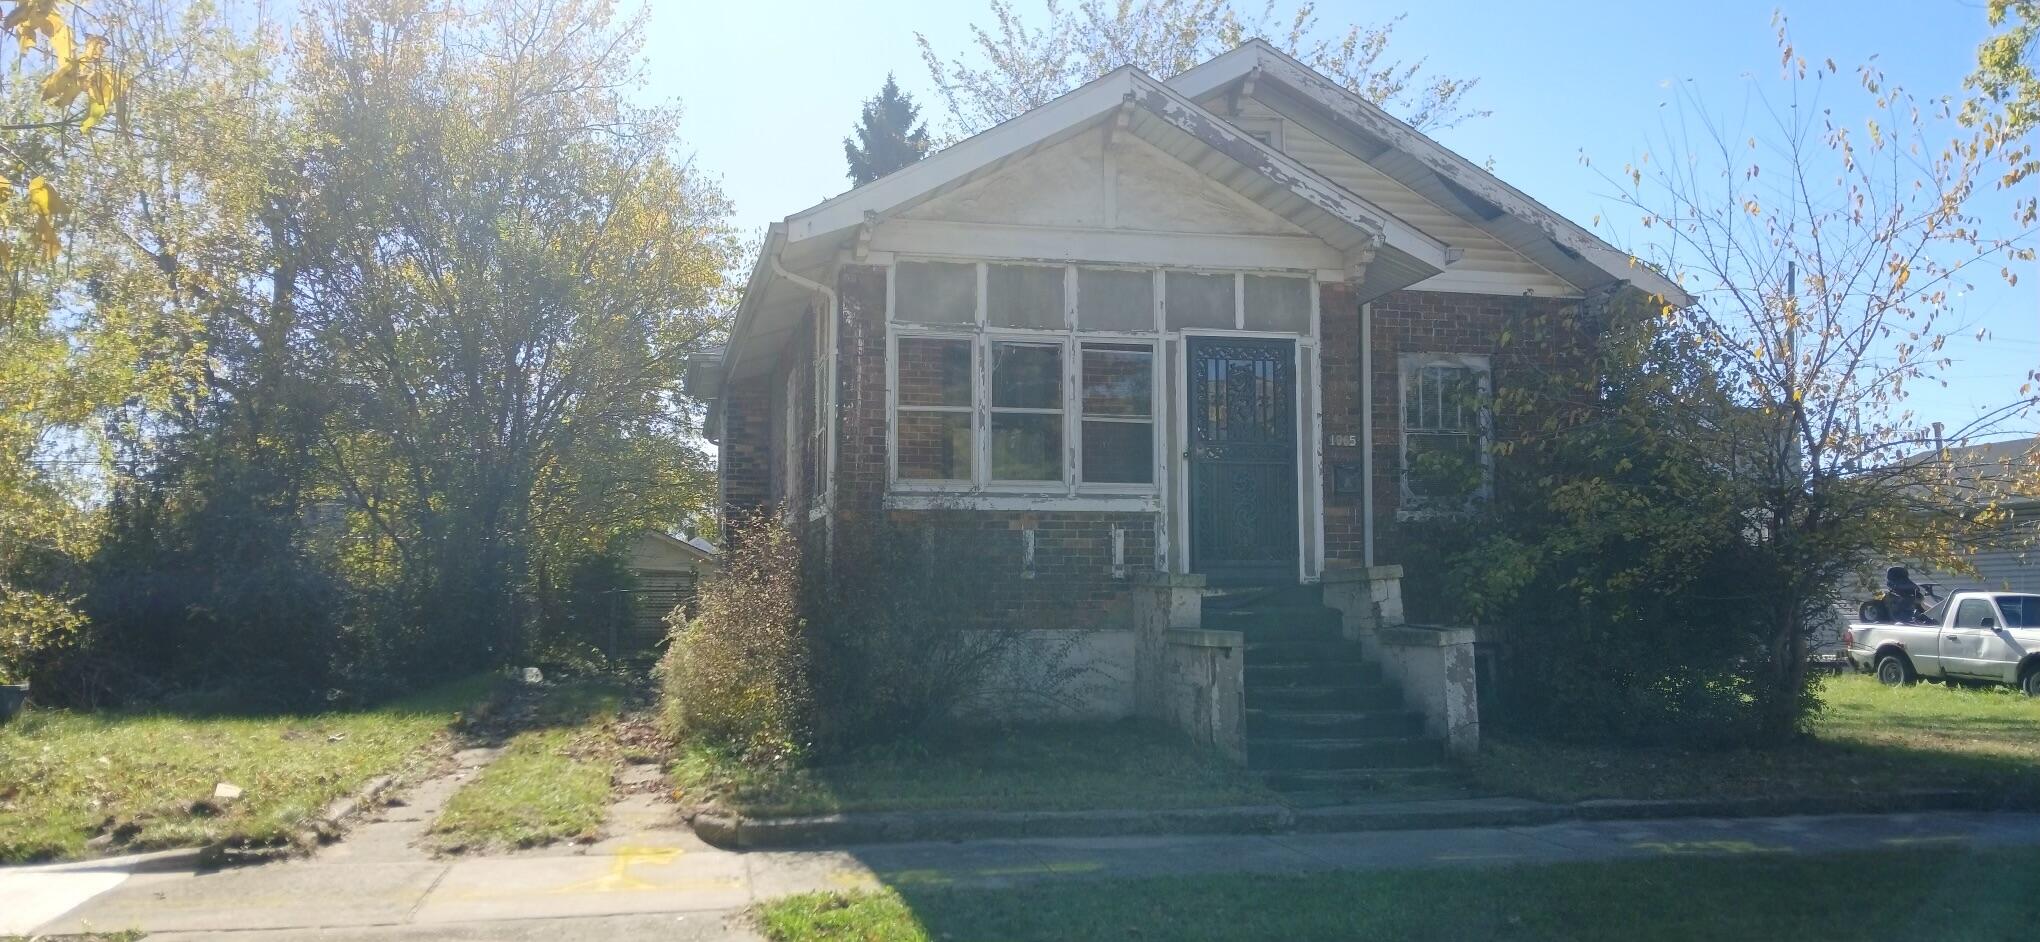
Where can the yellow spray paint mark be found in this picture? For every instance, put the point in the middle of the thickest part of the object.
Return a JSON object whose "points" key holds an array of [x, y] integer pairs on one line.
{"points": [[620, 879], [1709, 847]]}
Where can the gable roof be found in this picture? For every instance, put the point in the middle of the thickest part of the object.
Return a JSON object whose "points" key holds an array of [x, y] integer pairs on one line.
{"points": [[1394, 253], [1429, 168]]}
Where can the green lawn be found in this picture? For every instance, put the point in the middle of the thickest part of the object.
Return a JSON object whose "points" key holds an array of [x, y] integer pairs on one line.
{"points": [[1873, 896], [1036, 768], [1868, 739], [148, 777], [550, 784]]}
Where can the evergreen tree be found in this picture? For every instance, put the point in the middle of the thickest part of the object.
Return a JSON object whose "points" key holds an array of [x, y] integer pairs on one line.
{"points": [[889, 136]]}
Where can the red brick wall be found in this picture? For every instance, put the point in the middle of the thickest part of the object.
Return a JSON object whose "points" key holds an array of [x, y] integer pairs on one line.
{"points": [[745, 451], [1072, 584], [1339, 355], [1428, 322]]}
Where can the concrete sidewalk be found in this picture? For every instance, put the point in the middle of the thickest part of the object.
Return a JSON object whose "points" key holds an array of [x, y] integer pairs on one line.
{"points": [[667, 884]]}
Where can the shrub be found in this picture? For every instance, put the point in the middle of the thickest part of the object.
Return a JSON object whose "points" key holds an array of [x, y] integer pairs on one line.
{"points": [[1616, 560], [737, 674], [34, 630], [904, 638], [796, 652]]}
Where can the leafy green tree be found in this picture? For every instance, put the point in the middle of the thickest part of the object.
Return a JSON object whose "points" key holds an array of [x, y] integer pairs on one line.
{"points": [[510, 264], [83, 352], [889, 135], [2008, 89], [1015, 65]]}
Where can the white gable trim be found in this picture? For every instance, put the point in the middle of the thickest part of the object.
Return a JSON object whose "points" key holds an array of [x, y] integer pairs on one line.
{"points": [[1110, 246], [1122, 88], [1272, 64]]}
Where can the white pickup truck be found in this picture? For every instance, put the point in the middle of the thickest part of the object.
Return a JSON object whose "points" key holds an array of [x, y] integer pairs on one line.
{"points": [[1979, 636]]}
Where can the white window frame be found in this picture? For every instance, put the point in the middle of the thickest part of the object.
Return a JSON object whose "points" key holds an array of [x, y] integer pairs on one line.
{"points": [[1072, 337], [1153, 419], [893, 409], [1409, 366], [987, 340]]}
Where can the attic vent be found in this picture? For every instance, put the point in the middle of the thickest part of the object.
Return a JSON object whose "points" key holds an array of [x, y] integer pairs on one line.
{"points": [[1265, 137]]}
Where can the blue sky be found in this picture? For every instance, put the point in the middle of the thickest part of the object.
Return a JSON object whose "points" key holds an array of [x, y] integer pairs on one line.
{"points": [[770, 89]]}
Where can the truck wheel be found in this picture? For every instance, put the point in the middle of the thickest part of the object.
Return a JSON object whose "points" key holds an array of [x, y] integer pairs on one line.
{"points": [[2031, 682], [1894, 670], [1871, 611]]}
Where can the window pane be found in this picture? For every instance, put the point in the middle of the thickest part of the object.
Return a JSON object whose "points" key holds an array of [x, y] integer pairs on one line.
{"points": [[934, 446], [1445, 398], [1119, 452], [1118, 380], [1024, 296], [1275, 303], [1115, 300], [934, 372], [1445, 467], [1027, 375], [1026, 447], [1198, 300], [935, 293]]}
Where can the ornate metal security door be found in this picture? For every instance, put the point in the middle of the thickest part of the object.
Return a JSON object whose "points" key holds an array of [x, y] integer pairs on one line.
{"points": [[1242, 457]]}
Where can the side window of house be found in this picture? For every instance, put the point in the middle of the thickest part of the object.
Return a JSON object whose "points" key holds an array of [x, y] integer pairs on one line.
{"points": [[1444, 432], [818, 426]]}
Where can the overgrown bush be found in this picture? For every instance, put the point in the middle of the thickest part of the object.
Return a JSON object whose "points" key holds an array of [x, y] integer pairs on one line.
{"points": [[1615, 561], [797, 652], [737, 674]]}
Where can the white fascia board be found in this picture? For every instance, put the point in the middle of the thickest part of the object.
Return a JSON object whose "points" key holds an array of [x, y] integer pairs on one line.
{"points": [[1275, 65], [754, 293], [1110, 246], [960, 160]]}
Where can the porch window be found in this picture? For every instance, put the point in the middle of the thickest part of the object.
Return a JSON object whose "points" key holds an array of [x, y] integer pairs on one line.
{"points": [[1445, 465], [1032, 378], [933, 427], [1026, 411], [1119, 413]]}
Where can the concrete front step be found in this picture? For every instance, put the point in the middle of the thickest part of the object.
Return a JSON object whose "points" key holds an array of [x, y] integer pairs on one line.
{"points": [[1302, 624], [1344, 754], [1302, 651], [1349, 696], [1355, 783], [1309, 674], [1333, 724]]}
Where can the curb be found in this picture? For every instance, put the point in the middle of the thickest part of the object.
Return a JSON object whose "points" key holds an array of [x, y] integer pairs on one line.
{"points": [[737, 832], [320, 828]]}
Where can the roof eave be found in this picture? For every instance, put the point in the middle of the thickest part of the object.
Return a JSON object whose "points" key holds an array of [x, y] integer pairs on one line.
{"points": [[1257, 57]]}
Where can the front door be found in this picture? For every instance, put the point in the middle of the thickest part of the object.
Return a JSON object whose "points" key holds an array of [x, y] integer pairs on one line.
{"points": [[1243, 446]]}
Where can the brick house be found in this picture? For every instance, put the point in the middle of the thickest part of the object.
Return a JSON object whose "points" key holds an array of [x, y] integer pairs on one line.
{"points": [[1226, 329]]}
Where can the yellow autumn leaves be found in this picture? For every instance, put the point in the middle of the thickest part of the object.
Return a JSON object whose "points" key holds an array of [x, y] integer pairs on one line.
{"points": [[82, 71]]}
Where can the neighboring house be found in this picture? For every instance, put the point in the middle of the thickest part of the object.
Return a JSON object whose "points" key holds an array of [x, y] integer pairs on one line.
{"points": [[669, 570], [1225, 324], [2011, 561]]}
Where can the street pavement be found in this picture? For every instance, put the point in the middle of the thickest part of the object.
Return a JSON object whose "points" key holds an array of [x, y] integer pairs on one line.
{"points": [[658, 881]]}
